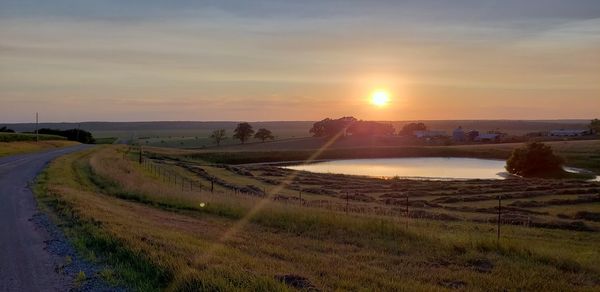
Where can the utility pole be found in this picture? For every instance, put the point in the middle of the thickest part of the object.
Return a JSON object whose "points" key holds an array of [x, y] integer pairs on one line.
{"points": [[37, 137], [78, 127]]}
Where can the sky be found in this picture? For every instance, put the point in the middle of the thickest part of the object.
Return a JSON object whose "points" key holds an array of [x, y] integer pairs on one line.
{"points": [[268, 60]]}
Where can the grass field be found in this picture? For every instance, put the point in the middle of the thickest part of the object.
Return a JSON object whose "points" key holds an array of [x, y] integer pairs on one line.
{"points": [[14, 137], [11, 148], [154, 235]]}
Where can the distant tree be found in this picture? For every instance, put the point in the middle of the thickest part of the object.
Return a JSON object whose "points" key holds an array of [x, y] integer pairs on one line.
{"points": [[243, 132], [595, 126], [218, 136], [329, 127], [264, 134], [370, 128], [534, 160], [409, 128], [6, 130]]}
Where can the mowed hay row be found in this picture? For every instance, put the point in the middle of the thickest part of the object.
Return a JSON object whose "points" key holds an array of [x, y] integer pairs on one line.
{"points": [[153, 246]]}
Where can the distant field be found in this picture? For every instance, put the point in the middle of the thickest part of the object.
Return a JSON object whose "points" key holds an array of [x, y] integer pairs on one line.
{"points": [[195, 134], [107, 140], [11, 148]]}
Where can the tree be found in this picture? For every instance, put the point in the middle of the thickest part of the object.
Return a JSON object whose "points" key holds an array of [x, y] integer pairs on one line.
{"points": [[243, 132], [263, 134], [6, 130], [218, 136], [409, 128], [329, 127], [534, 160], [595, 126]]}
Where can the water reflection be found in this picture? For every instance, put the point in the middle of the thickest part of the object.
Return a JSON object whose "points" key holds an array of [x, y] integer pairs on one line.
{"points": [[420, 167]]}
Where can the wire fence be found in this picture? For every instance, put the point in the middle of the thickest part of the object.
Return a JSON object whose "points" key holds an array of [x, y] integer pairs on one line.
{"points": [[344, 204]]}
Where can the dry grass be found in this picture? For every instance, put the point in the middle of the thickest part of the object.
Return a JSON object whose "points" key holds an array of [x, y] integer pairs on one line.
{"points": [[156, 238], [11, 148]]}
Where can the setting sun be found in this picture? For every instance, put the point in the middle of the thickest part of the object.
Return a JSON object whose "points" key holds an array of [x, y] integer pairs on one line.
{"points": [[380, 98]]}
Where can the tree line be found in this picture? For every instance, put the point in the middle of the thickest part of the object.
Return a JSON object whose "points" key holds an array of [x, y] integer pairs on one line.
{"points": [[78, 135], [242, 132], [352, 126]]}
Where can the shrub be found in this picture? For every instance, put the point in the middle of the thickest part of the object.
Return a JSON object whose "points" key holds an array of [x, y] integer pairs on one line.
{"points": [[534, 160]]}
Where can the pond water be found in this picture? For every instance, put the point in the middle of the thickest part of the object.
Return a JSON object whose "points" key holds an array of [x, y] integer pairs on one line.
{"points": [[435, 168], [417, 167]]}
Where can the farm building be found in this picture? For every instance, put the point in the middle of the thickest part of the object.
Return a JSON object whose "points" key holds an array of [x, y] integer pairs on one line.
{"points": [[429, 134], [458, 134], [488, 137], [472, 135], [569, 133]]}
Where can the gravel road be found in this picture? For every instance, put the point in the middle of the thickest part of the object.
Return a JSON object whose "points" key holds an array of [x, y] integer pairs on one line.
{"points": [[29, 257]]}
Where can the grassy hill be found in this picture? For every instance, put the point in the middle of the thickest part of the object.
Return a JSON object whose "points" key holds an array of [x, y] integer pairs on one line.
{"points": [[154, 233]]}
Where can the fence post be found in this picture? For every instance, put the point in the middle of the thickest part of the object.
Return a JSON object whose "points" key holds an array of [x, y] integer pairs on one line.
{"points": [[499, 217], [212, 186], [347, 201], [407, 214], [140, 153]]}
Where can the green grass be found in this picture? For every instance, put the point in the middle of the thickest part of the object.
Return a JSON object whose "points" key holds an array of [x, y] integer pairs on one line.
{"points": [[162, 242], [14, 137]]}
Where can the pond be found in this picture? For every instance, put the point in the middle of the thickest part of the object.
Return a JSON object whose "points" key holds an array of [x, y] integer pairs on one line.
{"points": [[432, 168], [440, 168]]}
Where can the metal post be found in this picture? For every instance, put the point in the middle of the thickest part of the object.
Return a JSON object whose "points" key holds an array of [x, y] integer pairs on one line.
{"points": [[499, 217], [407, 214]]}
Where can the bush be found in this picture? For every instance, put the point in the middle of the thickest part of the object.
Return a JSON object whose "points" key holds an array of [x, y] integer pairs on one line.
{"points": [[534, 160]]}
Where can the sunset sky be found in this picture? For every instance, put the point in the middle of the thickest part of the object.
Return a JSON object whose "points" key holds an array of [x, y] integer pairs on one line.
{"points": [[298, 60]]}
